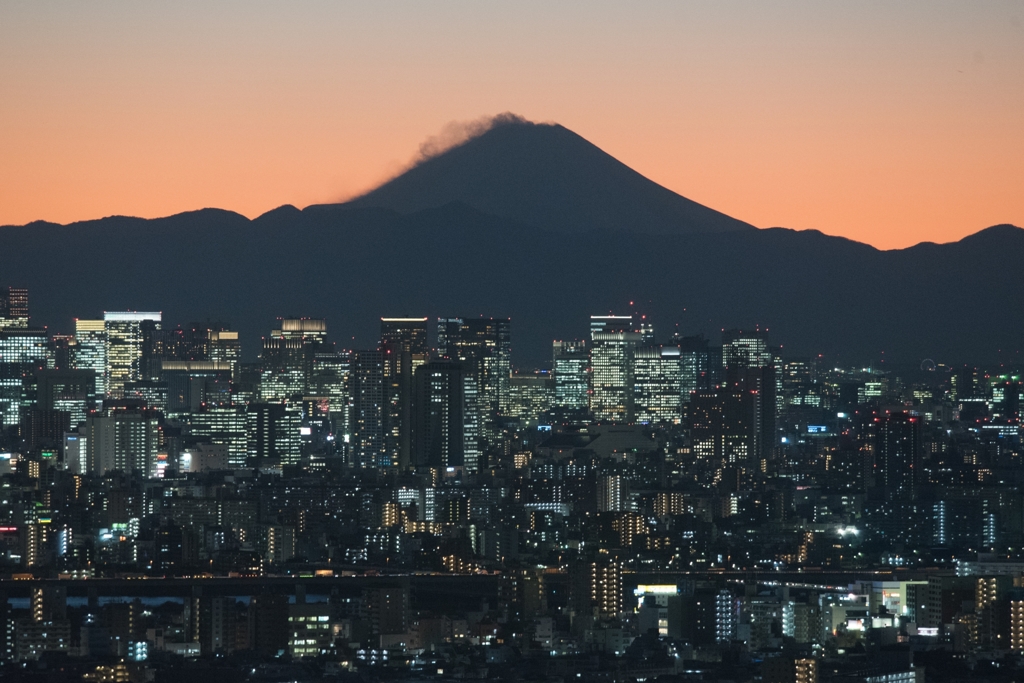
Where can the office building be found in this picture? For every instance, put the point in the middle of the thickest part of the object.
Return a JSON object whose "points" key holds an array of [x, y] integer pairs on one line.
{"points": [[223, 426], [124, 438], [446, 426], [13, 308], [403, 344], [484, 347], [90, 352], [193, 385], [571, 365], [272, 432], [71, 391], [23, 351], [700, 365], [532, 394], [126, 334], [612, 343], [288, 355], [657, 385]]}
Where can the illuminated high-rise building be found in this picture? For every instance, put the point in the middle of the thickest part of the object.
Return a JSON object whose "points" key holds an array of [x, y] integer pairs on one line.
{"points": [[70, 391], [612, 493], [596, 586], [124, 347], [700, 365], [225, 348], [533, 393], [13, 308], [122, 438], [366, 385], [23, 351], [90, 352], [571, 366], [223, 425], [288, 357], [750, 370], [897, 454], [484, 347], [192, 385], [745, 348], [613, 342], [330, 379], [722, 426], [403, 343], [446, 426], [657, 385], [272, 431]]}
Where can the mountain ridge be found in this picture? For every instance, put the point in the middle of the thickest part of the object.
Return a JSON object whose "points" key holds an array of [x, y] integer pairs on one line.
{"points": [[816, 292]]}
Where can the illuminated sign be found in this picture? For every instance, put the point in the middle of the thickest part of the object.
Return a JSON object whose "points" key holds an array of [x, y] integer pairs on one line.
{"points": [[656, 589]]}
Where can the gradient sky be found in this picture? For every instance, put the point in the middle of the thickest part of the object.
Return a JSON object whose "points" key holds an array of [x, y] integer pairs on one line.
{"points": [[890, 123]]}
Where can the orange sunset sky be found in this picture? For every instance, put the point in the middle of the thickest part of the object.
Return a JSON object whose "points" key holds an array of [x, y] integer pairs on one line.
{"points": [[889, 123]]}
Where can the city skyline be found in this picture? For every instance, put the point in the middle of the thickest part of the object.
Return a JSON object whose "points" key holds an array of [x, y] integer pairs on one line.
{"points": [[604, 342]]}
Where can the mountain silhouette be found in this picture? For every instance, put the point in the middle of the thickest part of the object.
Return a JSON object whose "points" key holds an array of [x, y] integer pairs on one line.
{"points": [[545, 176]]}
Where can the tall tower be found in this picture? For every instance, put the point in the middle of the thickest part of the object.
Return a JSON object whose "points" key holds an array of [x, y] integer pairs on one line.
{"points": [[446, 428], [90, 352], [288, 357], [897, 454], [571, 366], [484, 347], [611, 367], [366, 384], [403, 343], [124, 346], [657, 384], [750, 369]]}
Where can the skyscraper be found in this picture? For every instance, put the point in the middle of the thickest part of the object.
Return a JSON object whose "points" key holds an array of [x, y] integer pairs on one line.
{"points": [[272, 431], [366, 384], [288, 357], [446, 426], [484, 347], [13, 308], [611, 367], [22, 352], [571, 365], [330, 379], [721, 426], [224, 347], [124, 347], [122, 438], [898, 453], [90, 352], [404, 348], [657, 384], [750, 369], [701, 365], [745, 348]]}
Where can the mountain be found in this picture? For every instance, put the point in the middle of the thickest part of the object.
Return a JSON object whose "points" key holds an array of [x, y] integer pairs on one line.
{"points": [[351, 264], [545, 176]]}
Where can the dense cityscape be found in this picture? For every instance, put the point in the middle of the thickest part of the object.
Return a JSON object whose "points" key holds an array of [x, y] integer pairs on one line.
{"points": [[643, 506]]}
